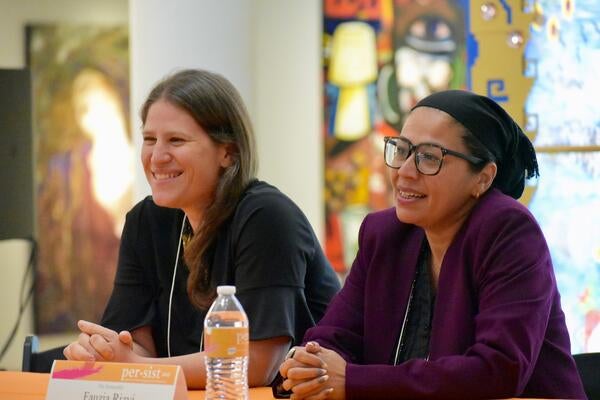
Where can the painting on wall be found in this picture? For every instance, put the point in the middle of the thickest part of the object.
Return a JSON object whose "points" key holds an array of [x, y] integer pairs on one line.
{"points": [[379, 58], [562, 57], [533, 57], [84, 166]]}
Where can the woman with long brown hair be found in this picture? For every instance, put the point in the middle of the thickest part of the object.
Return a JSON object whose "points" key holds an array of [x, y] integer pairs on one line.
{"points": [[209, 222]]}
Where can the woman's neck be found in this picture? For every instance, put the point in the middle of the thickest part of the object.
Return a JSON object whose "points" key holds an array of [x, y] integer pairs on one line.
{"points": [[441, 236], [194, 218], [438, 245]]}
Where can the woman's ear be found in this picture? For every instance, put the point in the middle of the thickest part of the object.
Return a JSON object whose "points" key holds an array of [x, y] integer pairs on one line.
{"points": [[485, 179], [228, 155]]}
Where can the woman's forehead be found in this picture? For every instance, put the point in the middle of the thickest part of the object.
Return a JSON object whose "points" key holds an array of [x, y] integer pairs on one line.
{"points": [[426, 124]]}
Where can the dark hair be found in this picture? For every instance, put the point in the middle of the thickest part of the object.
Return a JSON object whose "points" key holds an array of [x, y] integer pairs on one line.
{"points": [[490, 130], [475, 148], [218, 108]]}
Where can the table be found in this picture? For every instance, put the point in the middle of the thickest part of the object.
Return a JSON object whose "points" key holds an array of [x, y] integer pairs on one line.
{"points": [[32, 386]]}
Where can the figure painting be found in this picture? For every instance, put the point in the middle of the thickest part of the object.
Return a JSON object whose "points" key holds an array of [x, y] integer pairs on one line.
{"points": [[84, 166], [379, 57]]}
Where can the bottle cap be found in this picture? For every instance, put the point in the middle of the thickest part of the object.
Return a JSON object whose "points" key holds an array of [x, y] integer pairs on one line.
{"points": [[225, 290]]}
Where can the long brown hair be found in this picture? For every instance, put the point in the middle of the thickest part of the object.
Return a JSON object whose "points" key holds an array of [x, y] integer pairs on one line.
{"points": [[218, 108]]}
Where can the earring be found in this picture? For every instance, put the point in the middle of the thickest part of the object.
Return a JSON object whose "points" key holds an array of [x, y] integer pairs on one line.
{"points": [[477, 195]]}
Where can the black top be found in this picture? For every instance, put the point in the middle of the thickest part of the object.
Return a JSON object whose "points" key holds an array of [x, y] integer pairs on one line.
{"points": [[415, 343], [268, 250]]}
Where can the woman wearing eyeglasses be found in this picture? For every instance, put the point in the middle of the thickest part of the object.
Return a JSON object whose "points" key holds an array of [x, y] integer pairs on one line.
{"points": [[452, 292]]}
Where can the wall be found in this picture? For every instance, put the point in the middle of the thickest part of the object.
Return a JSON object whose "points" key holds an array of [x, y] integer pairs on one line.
{"points": [[288, 108], [14, 16], [14, 254], [192, 34]]}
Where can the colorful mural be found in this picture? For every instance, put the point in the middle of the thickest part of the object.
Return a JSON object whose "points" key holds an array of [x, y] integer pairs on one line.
{"points": [[84, 170], [562, 55], [537, 61], [379, 58]]}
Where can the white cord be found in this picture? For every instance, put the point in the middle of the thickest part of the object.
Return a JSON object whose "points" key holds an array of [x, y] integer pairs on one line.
{"points": [[173, 287]]}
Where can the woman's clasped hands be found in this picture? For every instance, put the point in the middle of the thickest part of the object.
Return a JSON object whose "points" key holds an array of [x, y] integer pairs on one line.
{"points": [[97, 343], [313, 372]]}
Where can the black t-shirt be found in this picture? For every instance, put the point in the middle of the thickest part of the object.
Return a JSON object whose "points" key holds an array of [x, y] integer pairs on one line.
{"points": [[268, 250]]}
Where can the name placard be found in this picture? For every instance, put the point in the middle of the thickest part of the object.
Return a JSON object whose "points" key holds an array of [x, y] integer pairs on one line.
{"points": [[81, 380]]}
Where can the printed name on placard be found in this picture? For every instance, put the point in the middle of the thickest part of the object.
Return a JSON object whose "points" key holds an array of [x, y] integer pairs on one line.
{"points": [[81, 380]]}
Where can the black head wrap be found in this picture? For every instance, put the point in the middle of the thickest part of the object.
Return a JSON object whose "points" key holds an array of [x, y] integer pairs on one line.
{"points": [[496, 130]]}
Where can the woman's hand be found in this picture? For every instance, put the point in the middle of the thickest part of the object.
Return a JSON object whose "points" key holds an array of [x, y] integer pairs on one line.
{"points": [[81, 349], [303, 366], [314, 372], [101, 344]]}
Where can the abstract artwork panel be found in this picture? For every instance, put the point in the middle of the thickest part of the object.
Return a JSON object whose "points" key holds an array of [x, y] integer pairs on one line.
{"points": [[566, 204], [563, 55], [84, 171], [540, 62], [379, 58]]}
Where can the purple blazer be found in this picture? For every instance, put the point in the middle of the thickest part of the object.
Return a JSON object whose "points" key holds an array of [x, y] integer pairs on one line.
{"points": [[498, 329]]}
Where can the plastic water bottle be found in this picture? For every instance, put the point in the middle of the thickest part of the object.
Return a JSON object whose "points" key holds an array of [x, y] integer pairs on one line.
{"points": [[226, 347]]}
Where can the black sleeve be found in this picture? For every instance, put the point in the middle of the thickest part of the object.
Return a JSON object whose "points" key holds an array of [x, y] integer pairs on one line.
{"points": [[131, 304], [273, 245]]}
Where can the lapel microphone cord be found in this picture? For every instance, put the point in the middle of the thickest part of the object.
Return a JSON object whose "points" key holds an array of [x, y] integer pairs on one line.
{"points": [[173, 286]]}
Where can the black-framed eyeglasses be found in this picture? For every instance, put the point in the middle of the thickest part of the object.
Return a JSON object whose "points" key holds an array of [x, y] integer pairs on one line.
{"points": [[428, 156]]}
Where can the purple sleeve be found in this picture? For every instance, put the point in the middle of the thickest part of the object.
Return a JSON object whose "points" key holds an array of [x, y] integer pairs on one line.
{"points": [[342, 326], [514, 283]]}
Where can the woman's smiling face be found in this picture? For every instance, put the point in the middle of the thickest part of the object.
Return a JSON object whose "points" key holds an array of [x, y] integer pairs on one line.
{"points": [[181, 162], [436, 202]]}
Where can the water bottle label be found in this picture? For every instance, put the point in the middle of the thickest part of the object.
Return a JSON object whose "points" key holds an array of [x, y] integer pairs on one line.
{"points": [[226, 342]]}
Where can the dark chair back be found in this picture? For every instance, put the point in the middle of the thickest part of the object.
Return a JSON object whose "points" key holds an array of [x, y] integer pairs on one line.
{"points": [[39, 361], [588, 365]]}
